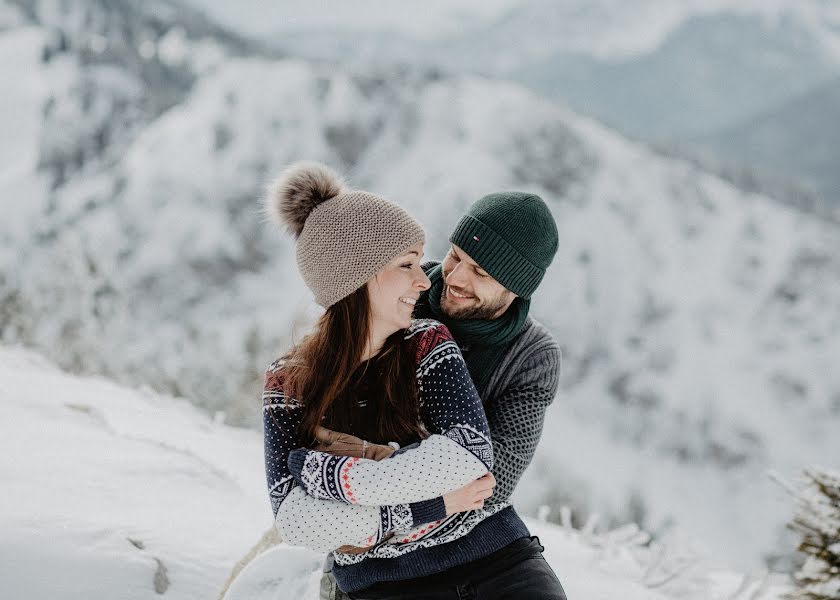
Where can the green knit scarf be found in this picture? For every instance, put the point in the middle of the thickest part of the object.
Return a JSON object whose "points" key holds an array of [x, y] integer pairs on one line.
{"points": [[484, 341]]}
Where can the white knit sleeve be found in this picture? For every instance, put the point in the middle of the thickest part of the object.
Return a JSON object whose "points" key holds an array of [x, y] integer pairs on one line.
{"points": [[325, 525]]}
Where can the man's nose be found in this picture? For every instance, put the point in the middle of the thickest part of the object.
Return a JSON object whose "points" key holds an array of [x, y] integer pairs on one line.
{"points": [[457, 277]]}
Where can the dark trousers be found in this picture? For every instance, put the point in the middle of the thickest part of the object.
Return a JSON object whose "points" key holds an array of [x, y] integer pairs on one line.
{"points": [[517, 571]]}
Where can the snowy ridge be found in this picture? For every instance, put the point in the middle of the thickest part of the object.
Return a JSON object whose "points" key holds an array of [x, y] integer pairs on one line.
{"points": [[147, 496], [655, 69], [607, 30], [615, 30]]}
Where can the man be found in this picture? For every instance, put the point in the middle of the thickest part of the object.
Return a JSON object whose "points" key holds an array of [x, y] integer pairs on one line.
{"points": [[481, 291]]}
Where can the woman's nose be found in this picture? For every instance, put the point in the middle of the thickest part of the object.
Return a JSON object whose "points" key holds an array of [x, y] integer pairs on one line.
{"points": [[423, 282]]}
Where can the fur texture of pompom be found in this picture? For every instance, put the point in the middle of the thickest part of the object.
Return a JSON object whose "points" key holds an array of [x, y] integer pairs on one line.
{"points": [[300, 188]]}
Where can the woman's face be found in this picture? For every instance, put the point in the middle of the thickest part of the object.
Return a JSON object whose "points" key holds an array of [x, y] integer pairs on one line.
{"points": [[394, 290]]}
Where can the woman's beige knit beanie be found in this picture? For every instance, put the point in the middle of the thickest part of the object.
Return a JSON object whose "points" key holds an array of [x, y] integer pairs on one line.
{"points": [[344, 237]]}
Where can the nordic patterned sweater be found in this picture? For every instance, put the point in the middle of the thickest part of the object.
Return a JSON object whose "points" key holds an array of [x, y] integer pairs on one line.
{"points": [[322, 501]]}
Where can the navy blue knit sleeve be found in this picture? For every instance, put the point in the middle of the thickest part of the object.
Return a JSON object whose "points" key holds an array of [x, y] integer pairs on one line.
{"points": [[281, 421], [450, 404]]}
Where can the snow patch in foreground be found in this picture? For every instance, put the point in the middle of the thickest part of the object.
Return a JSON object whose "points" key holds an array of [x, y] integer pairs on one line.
{"points": [[110, 492], [279, 573]]}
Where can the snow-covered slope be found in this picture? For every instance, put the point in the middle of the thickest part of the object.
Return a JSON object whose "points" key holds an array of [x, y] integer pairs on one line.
{"points": [[699, 323], [114, 493]]}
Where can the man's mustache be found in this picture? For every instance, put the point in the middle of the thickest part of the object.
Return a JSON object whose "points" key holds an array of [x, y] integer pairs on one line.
{"points": [[463, 293]]}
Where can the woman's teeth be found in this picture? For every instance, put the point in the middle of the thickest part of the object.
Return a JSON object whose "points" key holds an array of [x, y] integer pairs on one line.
{"points": [[410, 301]]}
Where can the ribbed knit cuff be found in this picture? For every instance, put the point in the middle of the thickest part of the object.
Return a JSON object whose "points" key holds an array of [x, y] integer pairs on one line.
{"points": [[496, 256], [492, 534], [428, 511], [295, 461]]}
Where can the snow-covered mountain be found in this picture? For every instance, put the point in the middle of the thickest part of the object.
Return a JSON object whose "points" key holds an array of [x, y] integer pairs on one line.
{"points": [[537, 29], [116, 493], [800, 136], [699, 323], [655, 69], [707, 74]]}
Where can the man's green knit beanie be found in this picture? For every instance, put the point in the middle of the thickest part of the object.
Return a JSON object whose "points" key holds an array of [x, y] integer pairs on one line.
{"points": [[512, 236]]}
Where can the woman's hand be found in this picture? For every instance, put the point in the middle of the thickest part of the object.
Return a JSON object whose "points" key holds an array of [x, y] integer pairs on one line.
{"points": [[471, 496], [344, 444], [359, 549], [353, 549]]}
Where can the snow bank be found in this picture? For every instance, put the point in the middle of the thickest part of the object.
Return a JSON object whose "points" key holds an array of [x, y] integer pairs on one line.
{"points": [[111, 492], [116, 493]]}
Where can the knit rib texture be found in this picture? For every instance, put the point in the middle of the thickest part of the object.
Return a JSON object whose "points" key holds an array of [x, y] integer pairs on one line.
{"points": [[348, 239], [512, 236]]}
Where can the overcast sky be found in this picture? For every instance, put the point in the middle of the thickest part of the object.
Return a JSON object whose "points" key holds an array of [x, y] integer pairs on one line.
{"points": [[422, 19]]}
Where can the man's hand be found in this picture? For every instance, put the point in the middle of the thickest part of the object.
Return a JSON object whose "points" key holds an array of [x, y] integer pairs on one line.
{"points": [[471, 496], [344, 444]]}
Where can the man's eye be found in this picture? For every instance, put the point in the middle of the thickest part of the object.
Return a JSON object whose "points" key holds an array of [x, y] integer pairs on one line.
{"points": [[480, 274]]}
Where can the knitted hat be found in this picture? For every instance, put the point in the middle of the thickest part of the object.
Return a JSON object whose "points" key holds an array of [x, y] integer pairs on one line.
{"points": [[512, 236], [343, 237]]}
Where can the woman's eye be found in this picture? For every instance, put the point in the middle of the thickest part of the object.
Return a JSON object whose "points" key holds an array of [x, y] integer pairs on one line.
{"points": [[407, 266]]}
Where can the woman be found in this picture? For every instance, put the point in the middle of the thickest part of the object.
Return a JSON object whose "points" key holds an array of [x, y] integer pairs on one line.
{"points": [[370, 371]]}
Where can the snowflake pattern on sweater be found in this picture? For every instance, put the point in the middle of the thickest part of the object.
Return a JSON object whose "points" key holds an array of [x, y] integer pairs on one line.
{"points": [[305, 520], [457, 451]]}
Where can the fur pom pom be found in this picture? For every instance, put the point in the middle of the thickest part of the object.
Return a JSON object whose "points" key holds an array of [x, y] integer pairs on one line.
{"points": [[297, 191]]}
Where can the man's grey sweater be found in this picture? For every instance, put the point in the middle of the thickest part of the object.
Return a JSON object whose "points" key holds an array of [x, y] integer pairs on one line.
{"points": [[515, 399]]}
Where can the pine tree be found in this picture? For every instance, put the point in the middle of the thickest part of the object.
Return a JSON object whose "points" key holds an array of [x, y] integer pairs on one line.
{"points": [[818, 522]]}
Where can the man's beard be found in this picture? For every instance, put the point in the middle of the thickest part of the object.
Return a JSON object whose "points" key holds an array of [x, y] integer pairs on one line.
{"points": [[481, 311]]}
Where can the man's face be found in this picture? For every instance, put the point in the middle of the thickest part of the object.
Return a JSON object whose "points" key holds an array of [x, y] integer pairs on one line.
{"points": [[468, 291]]}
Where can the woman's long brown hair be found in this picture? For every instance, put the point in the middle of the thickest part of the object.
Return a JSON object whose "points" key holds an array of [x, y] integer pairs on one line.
{"points": [[319, 372]]}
